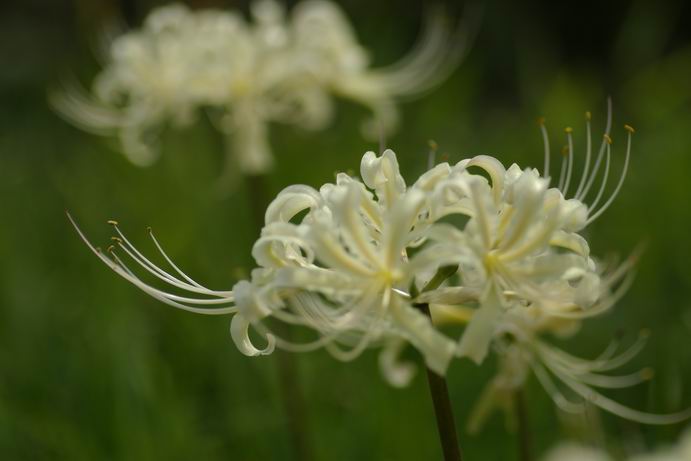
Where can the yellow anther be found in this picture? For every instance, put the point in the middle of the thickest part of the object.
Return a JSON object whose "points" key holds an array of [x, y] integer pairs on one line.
{"points": [[568, 130], [541, 121], [149, 229], [647, 373], [433, 144], [629, 128], [565, 151], [116, 239], [588, 116], [608, 139], [112, 222], [110, 249]]}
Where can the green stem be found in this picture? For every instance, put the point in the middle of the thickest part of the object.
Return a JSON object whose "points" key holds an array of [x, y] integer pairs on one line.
{"points": [[446, 424], [524, 437], [291, 393]]}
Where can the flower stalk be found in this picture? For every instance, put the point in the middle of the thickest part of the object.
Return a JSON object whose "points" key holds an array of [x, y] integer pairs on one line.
{"points": [[525, 444], [443, 412], [446, 424]]}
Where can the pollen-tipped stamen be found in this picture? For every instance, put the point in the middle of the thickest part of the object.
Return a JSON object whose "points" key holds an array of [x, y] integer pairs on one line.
{"points": [[605, 177], [121, 269], [588, 153], [600, 155], [545, 142], [569, 170], [564, 167], [621, 179]]}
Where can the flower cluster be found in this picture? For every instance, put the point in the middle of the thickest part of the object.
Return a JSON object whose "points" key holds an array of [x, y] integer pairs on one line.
{"points": [[279, 67], [359, 261], [570, 451]]}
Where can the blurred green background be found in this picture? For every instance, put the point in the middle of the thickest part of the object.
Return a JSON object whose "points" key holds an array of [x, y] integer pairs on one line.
{"points": [[91, 368]]}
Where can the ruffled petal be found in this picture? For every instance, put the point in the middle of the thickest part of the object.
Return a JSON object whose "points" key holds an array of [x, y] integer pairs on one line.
{"points": [[291, 201], [382, 174], [239, 331], [397, 372]]}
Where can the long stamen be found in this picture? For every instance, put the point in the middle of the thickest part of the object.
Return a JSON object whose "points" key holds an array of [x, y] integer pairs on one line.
{"points": [[170, 261], [138, 257], [169, 296], [569, 170], [600, 154], [594, 378], [605, 176], [553, 391], [630, 131], [119, 268], [135, 254], [158, 272], [618, 409], [600, 307], [433, 61], [545, 142], [588, 151], [579, 365], [564, 163], [616, 382], [362, 343]]}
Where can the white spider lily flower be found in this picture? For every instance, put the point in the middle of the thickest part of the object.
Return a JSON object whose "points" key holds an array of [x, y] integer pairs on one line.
{"points": [[278, 67], [339, 261], [530, 272], [523, 245]]}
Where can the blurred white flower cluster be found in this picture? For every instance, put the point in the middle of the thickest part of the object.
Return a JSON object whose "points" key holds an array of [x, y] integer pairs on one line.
{"points": [[570, 451], [358, 262], [276, 68]]}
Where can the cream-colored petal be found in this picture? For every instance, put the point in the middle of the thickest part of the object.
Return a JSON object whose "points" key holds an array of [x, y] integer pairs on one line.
{"points": [[397, 372], [239, 331], [382, 174], [477, 337]]}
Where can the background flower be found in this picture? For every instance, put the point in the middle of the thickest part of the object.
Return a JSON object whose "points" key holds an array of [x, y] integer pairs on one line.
{"points": [[274, 68]]}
